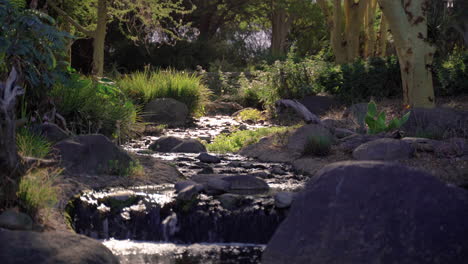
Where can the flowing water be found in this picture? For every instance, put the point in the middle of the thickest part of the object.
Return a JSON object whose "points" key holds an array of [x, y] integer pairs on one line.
{"points": [[147, 224]]}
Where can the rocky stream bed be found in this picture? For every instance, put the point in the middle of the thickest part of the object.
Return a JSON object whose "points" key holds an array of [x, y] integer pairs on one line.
{"points": [[150, 224]]}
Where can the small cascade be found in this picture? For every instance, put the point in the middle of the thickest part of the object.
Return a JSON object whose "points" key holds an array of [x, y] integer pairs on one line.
{"points": [[253, 219]]}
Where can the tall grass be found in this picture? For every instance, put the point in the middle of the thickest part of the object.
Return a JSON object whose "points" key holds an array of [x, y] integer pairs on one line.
{"points": [[36, 190], [31, 145], [234, 142], [96, 107], [184, 87]]}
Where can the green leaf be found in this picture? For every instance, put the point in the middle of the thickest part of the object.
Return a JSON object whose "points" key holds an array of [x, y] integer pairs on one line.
{"points": [[405, 118], [372, 109]]}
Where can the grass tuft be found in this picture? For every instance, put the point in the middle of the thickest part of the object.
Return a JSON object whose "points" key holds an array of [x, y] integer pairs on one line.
{"points": [[317, 146], [31, 145], [253, 115], [234, 142]]}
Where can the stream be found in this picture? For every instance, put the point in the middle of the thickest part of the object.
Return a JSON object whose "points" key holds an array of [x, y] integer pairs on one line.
{"points": [[146, 224]]}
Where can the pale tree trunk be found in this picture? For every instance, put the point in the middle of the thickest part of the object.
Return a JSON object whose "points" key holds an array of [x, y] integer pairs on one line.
{"points": [[99, 39], [408, 24], [354, 17], [370, 44], [337, 41], [280, 26], [383, 35], [10, 167]]}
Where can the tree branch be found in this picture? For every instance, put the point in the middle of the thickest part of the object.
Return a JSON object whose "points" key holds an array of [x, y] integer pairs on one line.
{"points": [[79, 27]]}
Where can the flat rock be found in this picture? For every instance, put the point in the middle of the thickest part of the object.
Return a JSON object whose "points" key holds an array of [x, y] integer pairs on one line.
{"points": [[207, 158], [384, 149], [357, 210], [246, 183]]}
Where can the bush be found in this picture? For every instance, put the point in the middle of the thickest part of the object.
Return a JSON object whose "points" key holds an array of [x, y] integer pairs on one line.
{"points": [[36, 190], [96, 107], [31, 145], [234, 142], [184, 87], [452, 74], [318, 146], [253, 115]]}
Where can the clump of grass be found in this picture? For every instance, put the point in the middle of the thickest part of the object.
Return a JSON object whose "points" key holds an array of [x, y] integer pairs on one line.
{"points": [[249, 114], [96, 107], [181, 86], [234, 142], [31, 145], [36, 190], [132, 169], [317, 145]]}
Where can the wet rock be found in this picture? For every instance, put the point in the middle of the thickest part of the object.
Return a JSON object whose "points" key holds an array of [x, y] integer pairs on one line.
{"points": [[334, 221], [278, 170], [436, 123], [23, 247], [190, 146], [229, 200], [206, 170], [246, 183], [261, 174], [188, 193], [91, 154], [384, 149], [166, 111], [14, 220], [179, 186], [121, 195], [165, 144], [217, 185], [51, 132], [207, 158], [284, 199]]}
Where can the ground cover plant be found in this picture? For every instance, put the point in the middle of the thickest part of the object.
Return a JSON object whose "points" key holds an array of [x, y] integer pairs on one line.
{"points": [[224, 143]]}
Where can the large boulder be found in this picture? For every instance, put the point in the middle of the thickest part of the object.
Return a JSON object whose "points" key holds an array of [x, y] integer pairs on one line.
{"points": [[25, 247], [373, 212], [299, 138], [166, 111], [91, 154], [51, 132], [189, 146], [437, 123], [319, 105], [384, 149], [165, 144], [293, 110]]}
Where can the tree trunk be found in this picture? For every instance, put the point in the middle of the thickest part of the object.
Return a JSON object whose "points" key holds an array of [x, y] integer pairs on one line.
{"points": [[354, 15], [383, 35], [10, 169], [337, 41], [280, 26], [99, 39], [408, 23], [370, 31]]}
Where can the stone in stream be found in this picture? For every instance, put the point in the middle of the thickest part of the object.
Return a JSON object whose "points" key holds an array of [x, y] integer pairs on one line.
{"points": [[14, 220], [165, 111], [284, 199], [384, 149], [179, 186], [165, 144], [188, 193], [207, 158], [189, 146], [247, 183], [373, 212], [229, 200], [25, 247]]}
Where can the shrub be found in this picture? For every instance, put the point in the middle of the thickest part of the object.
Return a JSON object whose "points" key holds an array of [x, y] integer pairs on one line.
{"points": [[96, 106], [184, 87], [234, 142], [452, 74], [36, 190], [377, 122], [318, 145], [31, 145]]}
